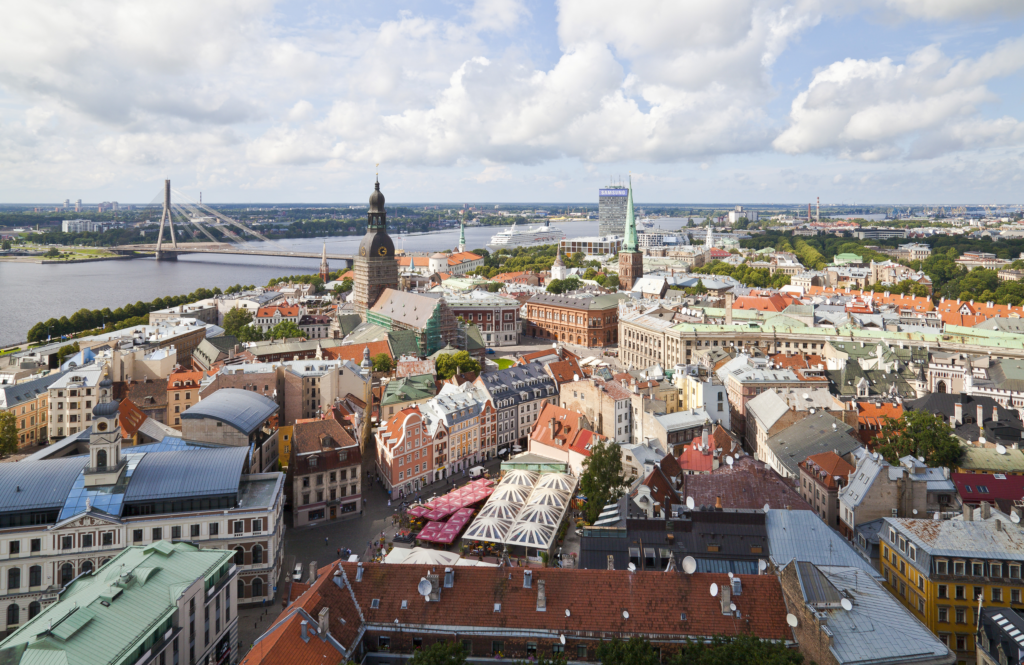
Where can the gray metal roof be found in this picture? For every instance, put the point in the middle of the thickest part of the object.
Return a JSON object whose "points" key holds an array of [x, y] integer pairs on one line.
{"points": [[26, 486], [242, 409], [957, 538], [878, 628], [810, 436], [177, 474], [767, 408], [800, 534], [15, 394], [510, 385]]}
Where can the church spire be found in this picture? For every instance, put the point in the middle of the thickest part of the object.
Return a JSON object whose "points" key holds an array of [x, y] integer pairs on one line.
{"points": [[325, 271], [462, 235], [630, 242], [709, 242]]}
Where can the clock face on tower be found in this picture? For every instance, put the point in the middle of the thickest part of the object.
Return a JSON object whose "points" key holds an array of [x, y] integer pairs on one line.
{"points": [[383, 251], [362, 251]]}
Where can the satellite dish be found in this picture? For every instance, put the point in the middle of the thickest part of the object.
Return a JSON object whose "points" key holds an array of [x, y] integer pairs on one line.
{"points": [[915, 511], [689, 565], [729, 460], [935, 516], [806, 396], [575, 377], [567, 612], [920, 458], [767, 507], [732, 606], [847, 605], [1015, 518], [625, 614], [762, 565], [424, 587], [730, 575], [812, 411], [631, 567], [554, 346], [714, 589], [689, 502], [1001, 449], [561, 638], [791, 620]]}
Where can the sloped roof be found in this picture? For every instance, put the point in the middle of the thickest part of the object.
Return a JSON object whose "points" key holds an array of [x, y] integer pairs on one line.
{"points": [[411, 309], [746, 484], [354, 352], [37, 485], [201, 472], [957, 538], [242, 409], [801, 535], [810, 436]]}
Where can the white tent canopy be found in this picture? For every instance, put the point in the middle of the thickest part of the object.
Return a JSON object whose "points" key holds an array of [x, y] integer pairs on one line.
{"points": [[505, 510], [490, 529], [421, 556], [510, 493], [520, 477], [557, 481]]}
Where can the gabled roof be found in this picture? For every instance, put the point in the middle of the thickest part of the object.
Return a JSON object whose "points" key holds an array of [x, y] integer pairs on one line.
{"points": [[198, 472], [802, 535], [354, 352], [814, 434], [746, 484], [408, 388], [824, 467], [661, 489]]}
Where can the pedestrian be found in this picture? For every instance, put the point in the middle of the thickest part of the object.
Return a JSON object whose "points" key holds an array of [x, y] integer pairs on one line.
{"points": [[325, 541], [389, 503], [364, 503], [339, 552]]}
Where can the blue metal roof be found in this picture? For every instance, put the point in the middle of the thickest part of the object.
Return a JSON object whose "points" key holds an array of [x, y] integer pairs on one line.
{"points": [[242, 409], [41, 485], [201, 472]]}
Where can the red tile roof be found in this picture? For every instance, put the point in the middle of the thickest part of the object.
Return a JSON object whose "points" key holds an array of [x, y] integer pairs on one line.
{"points": [[670, 466], [569, 430], [824, 467], [188, 379], [131, 417], [287, 311], [772, 303], [461, 257], [661, 489], [653, 601], [1010, 488], [914, 303], [564, 371], [747, 484]]}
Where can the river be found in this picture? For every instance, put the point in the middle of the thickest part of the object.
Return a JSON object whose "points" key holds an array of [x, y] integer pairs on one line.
{"points": [[32, 292]]}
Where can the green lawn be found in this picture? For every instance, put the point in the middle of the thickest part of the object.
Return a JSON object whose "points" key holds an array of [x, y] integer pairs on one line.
{"points": [[505, 363]]}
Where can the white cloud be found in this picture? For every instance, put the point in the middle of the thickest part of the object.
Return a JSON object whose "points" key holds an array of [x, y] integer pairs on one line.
{"points": [[954, 9], [929, 105]]}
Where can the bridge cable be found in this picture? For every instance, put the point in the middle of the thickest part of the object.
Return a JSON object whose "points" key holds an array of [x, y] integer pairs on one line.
{"points": [[243, 227]]}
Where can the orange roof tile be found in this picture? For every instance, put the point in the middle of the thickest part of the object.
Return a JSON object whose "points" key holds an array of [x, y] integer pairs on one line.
{"points": [[826, 466], [285, 310], [354, 352]]}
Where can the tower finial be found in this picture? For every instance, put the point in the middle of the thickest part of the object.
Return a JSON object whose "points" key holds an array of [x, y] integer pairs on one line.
{"points": [[376, 175]]}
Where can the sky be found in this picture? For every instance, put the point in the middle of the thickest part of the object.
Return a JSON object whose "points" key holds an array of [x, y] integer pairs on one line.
{"points": [[741, 101]]}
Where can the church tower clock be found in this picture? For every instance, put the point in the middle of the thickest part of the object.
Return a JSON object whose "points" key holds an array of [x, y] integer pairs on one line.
{"points": [[376, 267], [105, 463]]}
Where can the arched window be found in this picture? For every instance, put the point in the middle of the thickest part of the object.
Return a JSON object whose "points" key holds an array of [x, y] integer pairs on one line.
{"points": [[67, 573], [35, 576], [241, 588], [13, 615], [257, 554], [14, 578], [101, 459], [239, 556], [941, 387], [34, 608], [257, 587], [87, 567]]}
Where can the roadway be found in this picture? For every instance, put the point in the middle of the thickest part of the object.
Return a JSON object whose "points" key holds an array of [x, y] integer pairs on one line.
{"points": [[211, 248]]}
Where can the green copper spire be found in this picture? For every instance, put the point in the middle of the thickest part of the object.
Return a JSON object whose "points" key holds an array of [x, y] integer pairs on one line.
{"points": [[630, 242], [462, 235]]}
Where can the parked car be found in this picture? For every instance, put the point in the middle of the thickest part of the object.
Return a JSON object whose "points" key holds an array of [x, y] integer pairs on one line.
{"points": [[490, 352], [297, 573]]}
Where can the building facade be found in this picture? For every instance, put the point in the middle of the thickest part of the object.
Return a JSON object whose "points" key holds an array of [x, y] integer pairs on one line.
{"points": [[517, 395], [71, 399], [583, 319], [28, 401], [611, 210], [405, 453], [496, 316], [182, 392], [375, 267], [324, 472]]}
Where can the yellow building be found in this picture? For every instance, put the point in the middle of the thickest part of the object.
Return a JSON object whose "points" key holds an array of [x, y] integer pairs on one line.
{"points": [[939, 568], [284, 444], [28, 401]]}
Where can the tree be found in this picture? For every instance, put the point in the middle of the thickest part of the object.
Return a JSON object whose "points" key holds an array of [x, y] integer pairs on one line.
{"points": [[637, 651], [739, 649], [235, 320], [65, 351], [284, 330], [6, 245], [920, 434], [439, 653], [450, 364], [602, 480], [611, 282], [8, 433], [52, 253], [494, 287], [559, 286], [382, 363], [250, 333]]}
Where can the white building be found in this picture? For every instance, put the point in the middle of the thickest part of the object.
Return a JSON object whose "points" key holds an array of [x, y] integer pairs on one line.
{"points": [[71, 401]]}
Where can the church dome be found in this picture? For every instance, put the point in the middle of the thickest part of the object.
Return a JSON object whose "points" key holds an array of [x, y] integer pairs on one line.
{"points": [[105, 410], [377, 244], [376, 199]]}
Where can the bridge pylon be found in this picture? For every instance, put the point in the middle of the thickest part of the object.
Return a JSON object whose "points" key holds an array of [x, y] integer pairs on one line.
{"points": [[166, 218]]}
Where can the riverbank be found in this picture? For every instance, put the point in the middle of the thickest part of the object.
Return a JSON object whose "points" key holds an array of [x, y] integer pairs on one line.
{"points": [[44, 261]]}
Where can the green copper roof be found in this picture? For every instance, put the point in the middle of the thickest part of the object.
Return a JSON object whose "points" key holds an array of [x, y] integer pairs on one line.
{"points": [[116, 614], [409, 388], [462, 232], [630, 242]]}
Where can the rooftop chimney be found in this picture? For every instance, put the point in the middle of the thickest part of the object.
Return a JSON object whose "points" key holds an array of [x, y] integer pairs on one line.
{"points": [[726, 597], [312, 572], [958, 414], [542, 601], [986, 510], [981, 415], [305, 630], [718, 503], [323, 623], [611, 562], [527, 578], [968, 513], [995, 412]]}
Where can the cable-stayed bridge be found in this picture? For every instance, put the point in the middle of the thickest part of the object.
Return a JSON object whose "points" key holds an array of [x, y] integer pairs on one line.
{"points": [[191, 215]]}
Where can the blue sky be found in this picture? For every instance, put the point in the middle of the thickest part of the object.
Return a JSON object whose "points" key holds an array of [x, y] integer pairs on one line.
{"points": [[745, 101]]}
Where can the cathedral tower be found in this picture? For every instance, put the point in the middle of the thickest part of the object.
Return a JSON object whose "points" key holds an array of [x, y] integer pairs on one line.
{"points": [[631, 260], [375, 267], [325, 271]]}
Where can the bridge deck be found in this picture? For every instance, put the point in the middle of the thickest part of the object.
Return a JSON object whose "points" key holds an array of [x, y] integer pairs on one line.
{"points": [[195, 248]]}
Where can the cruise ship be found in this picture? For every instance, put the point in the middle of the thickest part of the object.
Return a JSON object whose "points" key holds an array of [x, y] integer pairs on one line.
{"points": [[530, 237]]}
